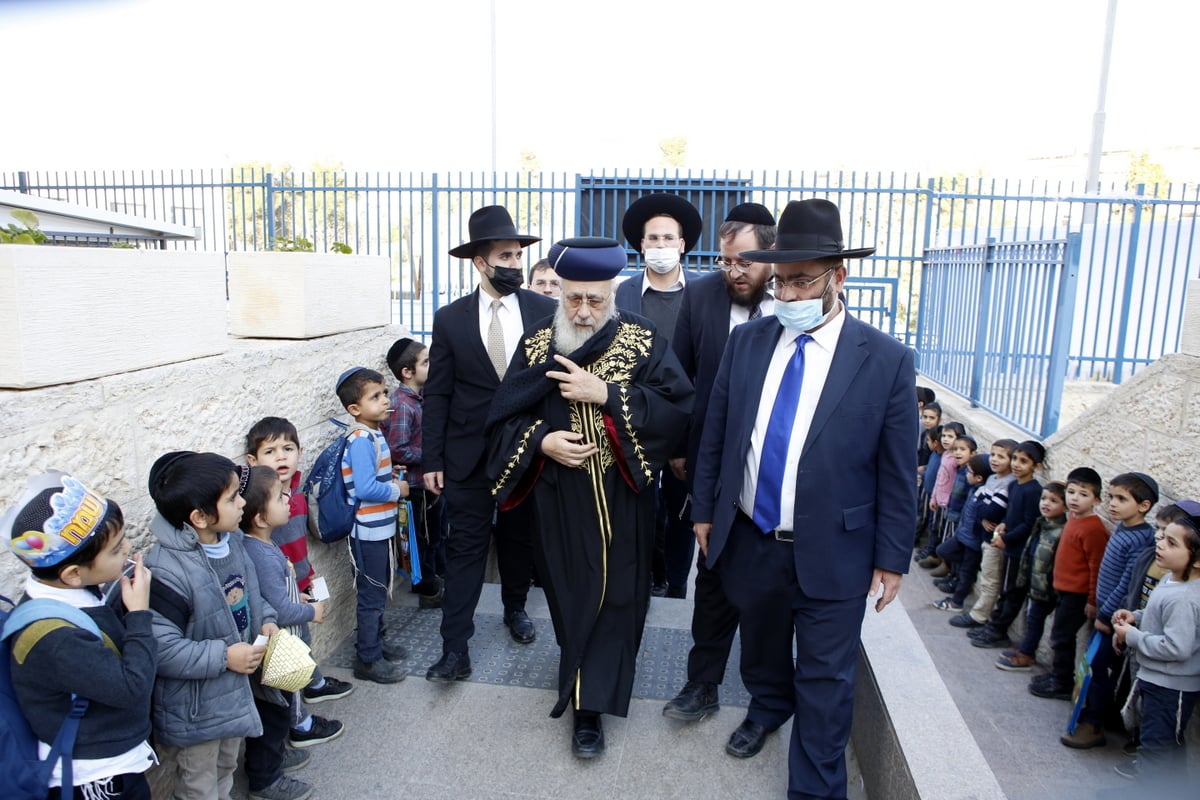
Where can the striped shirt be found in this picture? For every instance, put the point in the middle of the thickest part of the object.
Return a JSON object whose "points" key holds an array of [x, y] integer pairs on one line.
{"points": [[367, 472], [1116, 570]]}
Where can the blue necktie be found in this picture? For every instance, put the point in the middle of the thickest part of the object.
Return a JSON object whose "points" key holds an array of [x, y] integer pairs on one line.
{"points": [[769, 493]]}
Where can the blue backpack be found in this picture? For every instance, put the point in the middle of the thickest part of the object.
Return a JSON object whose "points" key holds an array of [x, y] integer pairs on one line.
{"points": [[28, 777], [330, 510]]}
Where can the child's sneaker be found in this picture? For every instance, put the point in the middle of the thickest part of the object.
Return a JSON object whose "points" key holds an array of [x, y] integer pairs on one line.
{"points": [[322, 730], [381, 671], [945, 585], [947, 604], [294, 759], [1127, 771], [941, 570], [332, 689], [1047, 686], [990, 638], [1014, 662], [929, 562], [284, 788], [1085, 737], [965, 621]]}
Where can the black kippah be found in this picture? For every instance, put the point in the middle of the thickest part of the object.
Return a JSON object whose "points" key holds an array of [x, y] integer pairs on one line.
{"points": [[160, 467], [397, 349], [754, 213]]}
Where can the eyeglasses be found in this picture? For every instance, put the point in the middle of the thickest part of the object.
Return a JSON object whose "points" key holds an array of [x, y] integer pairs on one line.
{"points": [[726, 265], [775, 283], [668, 238], [594, 301]]}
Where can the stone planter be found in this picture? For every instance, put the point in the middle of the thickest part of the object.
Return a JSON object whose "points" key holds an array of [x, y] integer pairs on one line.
{"points": [[73, 313], [305, 295]]}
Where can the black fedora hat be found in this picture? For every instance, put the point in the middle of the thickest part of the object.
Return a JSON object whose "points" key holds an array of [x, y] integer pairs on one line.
{"points": [[808, 230], [490, 224], [653, 205]]}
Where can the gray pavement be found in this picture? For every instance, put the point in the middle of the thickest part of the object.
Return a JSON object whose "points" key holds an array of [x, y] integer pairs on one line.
{"points": [[1016, 731], [491, 737]]}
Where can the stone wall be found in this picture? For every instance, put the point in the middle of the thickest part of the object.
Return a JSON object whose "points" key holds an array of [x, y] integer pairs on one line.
{"points": [[108, 431]]}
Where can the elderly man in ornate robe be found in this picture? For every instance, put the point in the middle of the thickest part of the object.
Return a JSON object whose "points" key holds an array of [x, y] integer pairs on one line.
{"points": [[590, 409]]}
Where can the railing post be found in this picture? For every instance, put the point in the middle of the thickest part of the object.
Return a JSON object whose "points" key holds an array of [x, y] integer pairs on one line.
{"points": [[1127, 294], [23, 182], [981, 324], [437, 247], [269, 208], [924, 278], [1060, 343]]}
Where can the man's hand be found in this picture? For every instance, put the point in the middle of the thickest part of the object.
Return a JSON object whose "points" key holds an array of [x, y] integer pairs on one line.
{"points": [[434, 482], [578, 384], [702, 530], [679, 468], [567, 448], [891, 585]]}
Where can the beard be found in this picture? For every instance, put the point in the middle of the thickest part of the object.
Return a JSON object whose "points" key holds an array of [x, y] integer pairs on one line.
{"points": [[569, 337], [754, 298]]}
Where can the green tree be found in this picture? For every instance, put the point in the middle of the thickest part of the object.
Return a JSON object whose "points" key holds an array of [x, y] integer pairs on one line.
{"points": [[1143, 170], [313, 205], [674, 151]]}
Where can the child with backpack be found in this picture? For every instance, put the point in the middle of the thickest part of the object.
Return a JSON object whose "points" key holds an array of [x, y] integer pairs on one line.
{"points": [[267, 507], [208, 618], [375, 492], [73, 541]]}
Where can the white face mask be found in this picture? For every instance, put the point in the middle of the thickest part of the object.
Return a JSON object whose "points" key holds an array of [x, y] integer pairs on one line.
{"points": [[662, 259]]}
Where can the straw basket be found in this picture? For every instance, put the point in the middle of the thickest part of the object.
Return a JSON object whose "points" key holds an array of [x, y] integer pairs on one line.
{"points": [[287, 664]]}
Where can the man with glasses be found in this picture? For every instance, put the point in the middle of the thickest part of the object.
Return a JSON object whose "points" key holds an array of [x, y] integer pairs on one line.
{"points": [[591, 408], [663, 228], [803, 495], [544, 280], [712, 305]]}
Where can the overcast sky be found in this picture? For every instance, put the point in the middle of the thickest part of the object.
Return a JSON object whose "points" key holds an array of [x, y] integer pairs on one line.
{"points": [[930, 85]]}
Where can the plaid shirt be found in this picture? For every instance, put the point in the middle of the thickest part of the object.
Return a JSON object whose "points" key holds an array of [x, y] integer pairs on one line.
{"points": [[403, 432]]}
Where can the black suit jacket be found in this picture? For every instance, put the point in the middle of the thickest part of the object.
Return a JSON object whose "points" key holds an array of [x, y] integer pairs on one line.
{"points": [[461, 384], [700, 335]]}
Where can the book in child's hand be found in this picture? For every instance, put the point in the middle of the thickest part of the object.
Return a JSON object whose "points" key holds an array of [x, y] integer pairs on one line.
{"points": [[319, 590]]}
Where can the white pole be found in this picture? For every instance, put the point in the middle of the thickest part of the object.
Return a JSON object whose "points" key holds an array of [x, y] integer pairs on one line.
{"points": [[1097, 149]]}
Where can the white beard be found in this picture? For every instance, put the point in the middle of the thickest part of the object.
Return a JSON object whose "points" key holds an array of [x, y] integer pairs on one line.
{"points": [[569, 337]]}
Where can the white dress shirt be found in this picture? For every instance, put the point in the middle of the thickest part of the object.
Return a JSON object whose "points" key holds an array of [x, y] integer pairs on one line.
{"points": [[739, 314], [818, 355], [510, 319]]}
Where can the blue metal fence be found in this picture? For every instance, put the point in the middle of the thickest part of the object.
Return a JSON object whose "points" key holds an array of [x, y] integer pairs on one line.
{"points": [[1138, 244], [996, 324]]}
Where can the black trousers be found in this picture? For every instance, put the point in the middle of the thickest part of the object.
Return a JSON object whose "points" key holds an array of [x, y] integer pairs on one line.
{"points": [[714, 623], [674, 541], [1069, 617], [473, 519], [264, 754]]}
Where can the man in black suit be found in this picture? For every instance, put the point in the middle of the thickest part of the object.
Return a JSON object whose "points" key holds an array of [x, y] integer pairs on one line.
{"points": [[663, 228], [712, 306], [474, 339]]}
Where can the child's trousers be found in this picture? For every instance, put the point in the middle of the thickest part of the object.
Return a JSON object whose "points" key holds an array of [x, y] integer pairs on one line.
{"points": [[204, 771], [988, 585]]}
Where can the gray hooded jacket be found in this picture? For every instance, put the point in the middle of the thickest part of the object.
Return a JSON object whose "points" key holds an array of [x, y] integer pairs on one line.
{"points": [[196, 699]]}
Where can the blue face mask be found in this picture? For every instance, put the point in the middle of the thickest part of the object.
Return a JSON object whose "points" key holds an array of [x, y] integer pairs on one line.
{"points": [[803, 315]]}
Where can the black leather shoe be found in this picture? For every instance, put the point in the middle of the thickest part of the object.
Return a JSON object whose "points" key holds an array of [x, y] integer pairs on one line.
{"points": [[450, 667], [587, 741], [693, 703], [520, 626], [747, 740]]}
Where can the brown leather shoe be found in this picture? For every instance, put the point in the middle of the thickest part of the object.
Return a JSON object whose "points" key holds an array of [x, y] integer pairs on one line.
{"points": [[1085, 737]]}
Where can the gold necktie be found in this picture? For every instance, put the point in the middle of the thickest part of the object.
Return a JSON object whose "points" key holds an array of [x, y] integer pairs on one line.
{"points": [[495, 342]]}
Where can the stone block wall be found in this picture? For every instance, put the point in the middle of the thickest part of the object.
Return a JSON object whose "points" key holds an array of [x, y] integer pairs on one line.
{"points": [[108, 431]]}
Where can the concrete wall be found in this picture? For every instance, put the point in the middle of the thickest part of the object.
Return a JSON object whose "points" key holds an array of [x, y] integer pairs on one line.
{"points": [[108, 431]]}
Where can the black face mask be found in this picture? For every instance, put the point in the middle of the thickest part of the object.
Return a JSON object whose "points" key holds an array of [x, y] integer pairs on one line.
{"points": [[506, 280]]}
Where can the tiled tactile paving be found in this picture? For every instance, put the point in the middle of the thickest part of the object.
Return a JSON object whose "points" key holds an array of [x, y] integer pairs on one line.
{"points": [[497, 659]]}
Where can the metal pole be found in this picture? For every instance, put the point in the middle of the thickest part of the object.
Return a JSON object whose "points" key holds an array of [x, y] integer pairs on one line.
{"points": [[493, 10], [1097, 148]]}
